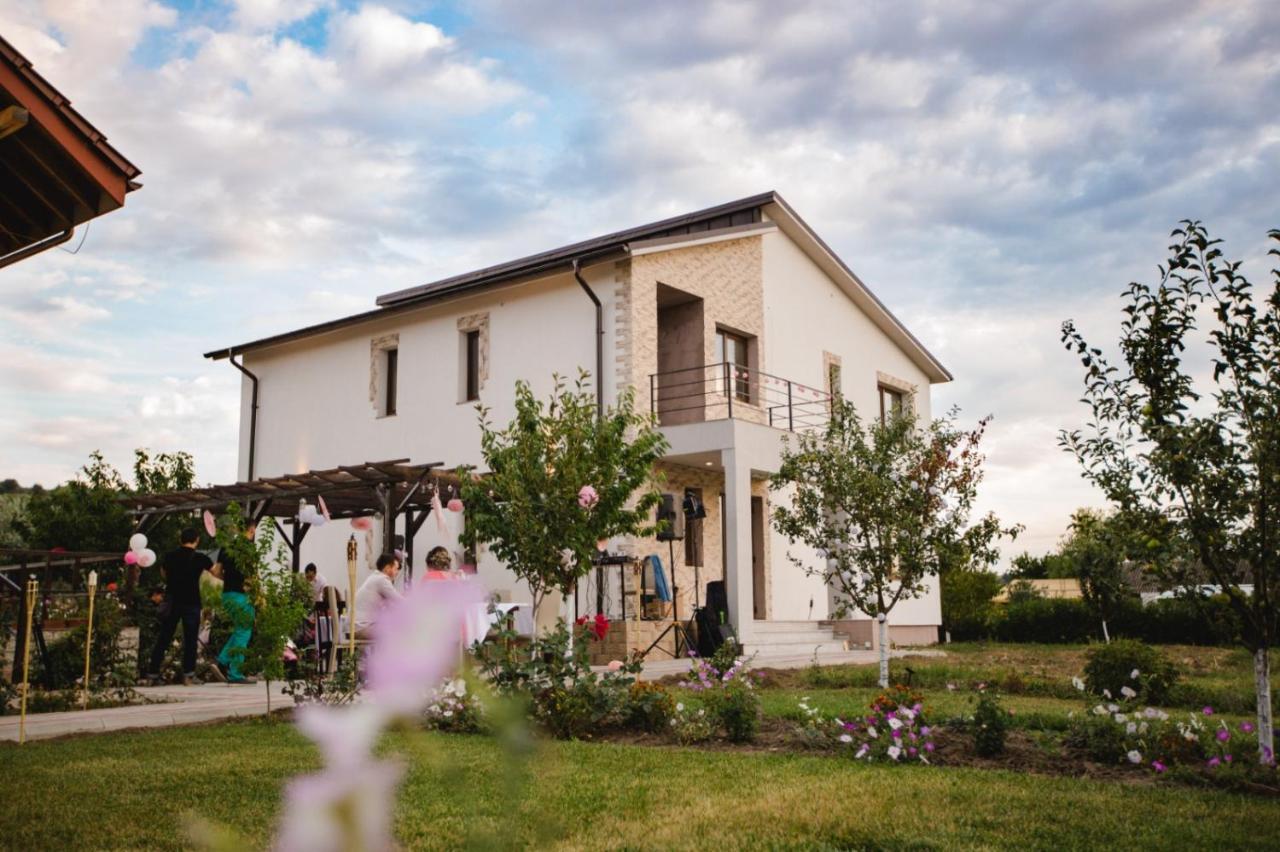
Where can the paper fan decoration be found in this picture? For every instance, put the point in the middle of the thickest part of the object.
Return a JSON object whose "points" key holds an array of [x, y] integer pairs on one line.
{"points": [[210, 525], [361, 523], [324, 510]]}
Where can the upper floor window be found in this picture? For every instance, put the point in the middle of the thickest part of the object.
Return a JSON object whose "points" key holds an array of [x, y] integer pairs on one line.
{"points": [[471, 365], [892, 401], [833, 380], [731, 351], [391, 370]]}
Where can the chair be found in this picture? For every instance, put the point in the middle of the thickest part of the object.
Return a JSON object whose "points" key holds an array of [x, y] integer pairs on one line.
{"points": [[339, 637]]}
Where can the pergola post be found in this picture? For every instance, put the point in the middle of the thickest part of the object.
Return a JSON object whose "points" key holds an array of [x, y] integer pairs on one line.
{"points": [[385, 495]]}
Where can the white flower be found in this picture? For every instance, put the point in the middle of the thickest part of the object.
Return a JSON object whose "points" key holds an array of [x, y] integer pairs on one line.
{"points": [[1131, 728], [862, 752], [1142, 727], [1133, 675], [894, 752], [459, 688], [871, 732], [447, 713], [1107, 693], [1111, 708], [702, 712], [894, 723], [1150, 712], [1127, 692], [680, 708], [845, 738], [1134, 756], [1120, 718], [1100, 710], [1077, 683]]}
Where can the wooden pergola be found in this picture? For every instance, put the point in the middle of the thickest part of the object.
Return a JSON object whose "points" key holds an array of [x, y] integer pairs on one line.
{"points": [[391, 490]]}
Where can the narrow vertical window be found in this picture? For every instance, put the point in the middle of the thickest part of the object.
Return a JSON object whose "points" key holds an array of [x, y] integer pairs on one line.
{"points": [[392, 370], [472, 381], [890, 403], [833, 380]]}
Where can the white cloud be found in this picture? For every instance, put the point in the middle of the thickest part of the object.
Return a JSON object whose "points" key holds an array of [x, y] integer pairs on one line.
{"points": [[269, 14]]}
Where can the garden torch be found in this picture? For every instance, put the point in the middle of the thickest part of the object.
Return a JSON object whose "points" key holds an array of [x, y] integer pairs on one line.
{"points": [[351, 594], [32, 591], [88, 637]]}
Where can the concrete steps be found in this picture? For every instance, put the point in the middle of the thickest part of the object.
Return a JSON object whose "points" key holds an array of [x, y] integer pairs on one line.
{"points": [[791, 638]]}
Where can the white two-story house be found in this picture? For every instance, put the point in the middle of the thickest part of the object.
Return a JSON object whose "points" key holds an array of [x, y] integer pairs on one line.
{"points": [[733, 325]]}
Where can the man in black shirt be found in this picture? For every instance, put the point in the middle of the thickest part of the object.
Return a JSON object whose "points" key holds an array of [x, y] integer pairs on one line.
{"points": [[182, 569]]}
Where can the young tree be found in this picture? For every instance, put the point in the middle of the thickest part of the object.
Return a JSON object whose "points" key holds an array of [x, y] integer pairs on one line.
{"points": [[887, 505], [280, 597], [561, 478], [1200, 471], [1096, 549]]}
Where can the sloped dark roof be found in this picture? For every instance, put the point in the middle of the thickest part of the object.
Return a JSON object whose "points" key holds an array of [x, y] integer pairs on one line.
{"points": [[740, 212]]}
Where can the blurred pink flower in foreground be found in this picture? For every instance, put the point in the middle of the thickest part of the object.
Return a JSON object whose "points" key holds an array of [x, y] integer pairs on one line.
{"points": [[345, 734], [340, 809], [418, 640]]}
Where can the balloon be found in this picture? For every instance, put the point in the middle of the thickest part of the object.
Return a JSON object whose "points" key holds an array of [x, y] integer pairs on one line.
{"points": [[318, 520], [361, 524], [455, 505], [137, 542], [146, 558], [130, 558], [210, 526]]}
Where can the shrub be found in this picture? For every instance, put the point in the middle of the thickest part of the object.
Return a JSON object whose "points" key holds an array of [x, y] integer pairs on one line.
{"points": [[1130, 670], [650, 707], [728, 695], [454, 708], [1045, 620], [691, 724], [1174, 621], [990, 721], [66, 653], [566, 697]]}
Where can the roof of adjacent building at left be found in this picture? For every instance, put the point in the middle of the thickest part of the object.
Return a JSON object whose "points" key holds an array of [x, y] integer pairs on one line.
{"points": [[57, 170]]}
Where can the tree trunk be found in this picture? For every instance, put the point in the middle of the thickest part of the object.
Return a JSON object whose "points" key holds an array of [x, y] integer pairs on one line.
{"points": [[884, 651], [1262, 684]]}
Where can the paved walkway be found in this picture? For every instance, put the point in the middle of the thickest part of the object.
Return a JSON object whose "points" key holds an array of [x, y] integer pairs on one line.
{"points": [[211, 701]]}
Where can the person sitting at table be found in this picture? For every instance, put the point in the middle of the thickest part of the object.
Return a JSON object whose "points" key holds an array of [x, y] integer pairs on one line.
{"points": [[375, 593], [439, 564], [315, 581]]}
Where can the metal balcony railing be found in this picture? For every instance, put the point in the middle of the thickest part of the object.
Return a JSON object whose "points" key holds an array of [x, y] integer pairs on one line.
{"points": [[727, 391]]}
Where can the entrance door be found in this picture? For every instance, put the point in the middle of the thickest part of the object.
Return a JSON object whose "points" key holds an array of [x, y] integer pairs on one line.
{"points": [[757, 557]]}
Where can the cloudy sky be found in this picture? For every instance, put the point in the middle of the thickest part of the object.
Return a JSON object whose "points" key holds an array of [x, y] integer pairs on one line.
{"points": [[990, 169]]}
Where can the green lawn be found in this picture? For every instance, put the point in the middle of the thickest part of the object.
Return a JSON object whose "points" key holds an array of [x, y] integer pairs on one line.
{"points": [[138, 790]]}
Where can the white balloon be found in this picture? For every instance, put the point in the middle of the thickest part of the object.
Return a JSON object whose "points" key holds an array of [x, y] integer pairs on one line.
{"points": [[833, 564], [146, 557], [137, 542], [317, 519]]}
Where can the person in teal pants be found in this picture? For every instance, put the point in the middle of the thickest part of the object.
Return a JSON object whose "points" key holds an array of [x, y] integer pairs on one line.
{"points": [[240, 609]]}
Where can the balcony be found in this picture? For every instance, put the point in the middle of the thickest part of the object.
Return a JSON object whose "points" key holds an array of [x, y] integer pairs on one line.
{"points": [[727, 391]]}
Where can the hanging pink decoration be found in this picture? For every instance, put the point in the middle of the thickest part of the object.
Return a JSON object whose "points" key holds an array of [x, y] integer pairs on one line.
{"points": [[438, 511], [130, 558], [455, 505], [324, 510], [361, 523], [210, 525]]}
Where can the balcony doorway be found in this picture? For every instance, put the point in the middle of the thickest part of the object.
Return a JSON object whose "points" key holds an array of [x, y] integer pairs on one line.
{"points": [[681, 352]]}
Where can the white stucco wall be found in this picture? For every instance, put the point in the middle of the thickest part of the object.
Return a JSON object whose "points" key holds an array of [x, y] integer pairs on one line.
{"points": [[807, 314], [315, 411]]}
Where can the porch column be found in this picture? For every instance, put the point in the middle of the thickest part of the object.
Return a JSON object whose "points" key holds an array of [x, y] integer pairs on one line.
{"points": [[737, 543]]}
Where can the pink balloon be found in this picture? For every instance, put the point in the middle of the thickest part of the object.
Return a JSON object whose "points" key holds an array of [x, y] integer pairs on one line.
{"points": [[209, 525], [455, 505], [361, 523], [131, 558]]}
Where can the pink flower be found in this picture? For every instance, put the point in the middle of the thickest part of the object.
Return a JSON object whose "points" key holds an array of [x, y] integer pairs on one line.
{"points": [[1208, 711], [345, 734], [455, 505], [1224, 735], [1213, 762], [615, 665], [340, 809], [928, 747], [418, 641], [1247, 727], [1226, 758], [1158, 766], [587, 497]]}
